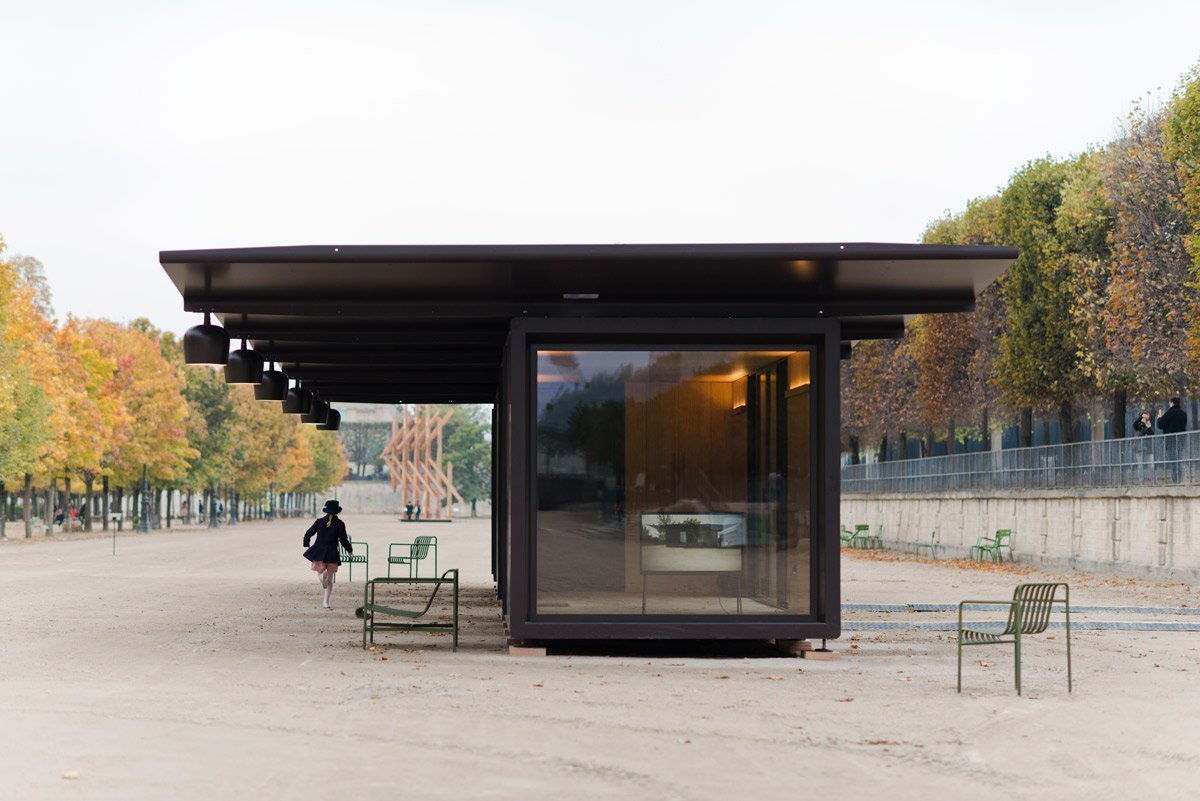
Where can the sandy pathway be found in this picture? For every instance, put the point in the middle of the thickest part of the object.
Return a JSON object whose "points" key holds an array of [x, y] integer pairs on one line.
{"points": [[199, 664]]}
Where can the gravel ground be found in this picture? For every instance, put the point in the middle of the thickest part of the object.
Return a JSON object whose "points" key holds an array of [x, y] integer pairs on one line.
{"points": [[199, 664]]}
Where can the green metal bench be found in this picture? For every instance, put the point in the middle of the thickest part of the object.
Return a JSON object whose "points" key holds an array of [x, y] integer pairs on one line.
{"points": [[359, 557], [932, 545], [371, 609], [993, 547], [1028, 613], [411, 554]]}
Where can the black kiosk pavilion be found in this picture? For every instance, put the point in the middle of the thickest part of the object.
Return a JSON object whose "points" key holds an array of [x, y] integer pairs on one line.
{"points": [[666, 416]]}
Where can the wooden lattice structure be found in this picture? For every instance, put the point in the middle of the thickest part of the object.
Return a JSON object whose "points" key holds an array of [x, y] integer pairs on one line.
{"points": [[414, 458]]}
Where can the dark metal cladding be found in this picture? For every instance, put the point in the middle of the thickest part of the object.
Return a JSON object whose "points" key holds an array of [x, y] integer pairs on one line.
{"points": [[332, 423]]}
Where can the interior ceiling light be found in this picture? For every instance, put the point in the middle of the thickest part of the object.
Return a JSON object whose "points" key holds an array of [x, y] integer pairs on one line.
{"points": [[332, 423], [206, 343], [243, 366], [274, 385]]}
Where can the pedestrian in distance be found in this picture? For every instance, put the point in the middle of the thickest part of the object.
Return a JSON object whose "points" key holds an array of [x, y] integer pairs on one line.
{"points": [[323, 554], [1142, 427], [1174, 420]]}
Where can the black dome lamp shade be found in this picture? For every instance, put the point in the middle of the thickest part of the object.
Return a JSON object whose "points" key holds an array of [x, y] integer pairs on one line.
{"points": [[274, 385], [206, 344], [244, 366], [318, 414], [333, 422], [298, 401]]}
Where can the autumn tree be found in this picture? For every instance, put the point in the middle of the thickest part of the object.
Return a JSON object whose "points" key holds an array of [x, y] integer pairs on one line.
{"points": [[468, 437], [1146, 309], [27, 366]]}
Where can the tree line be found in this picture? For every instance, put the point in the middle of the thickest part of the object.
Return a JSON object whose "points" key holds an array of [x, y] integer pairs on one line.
{"points": [[93, 413], [1100, 310]]}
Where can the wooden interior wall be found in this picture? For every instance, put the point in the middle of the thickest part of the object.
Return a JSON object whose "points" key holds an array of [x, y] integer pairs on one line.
{"points": [[799, 552], [685, 452]]}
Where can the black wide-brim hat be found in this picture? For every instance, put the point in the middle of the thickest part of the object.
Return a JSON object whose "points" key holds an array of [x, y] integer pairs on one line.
{"points": [[332, 507]]}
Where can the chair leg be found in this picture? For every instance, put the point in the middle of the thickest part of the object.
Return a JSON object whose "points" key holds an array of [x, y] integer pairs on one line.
{"points": [[1017, 661], [1068, 644]]}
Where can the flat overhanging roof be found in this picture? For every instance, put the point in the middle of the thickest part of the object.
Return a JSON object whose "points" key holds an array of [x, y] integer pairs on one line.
{"points": [[416, 323]]}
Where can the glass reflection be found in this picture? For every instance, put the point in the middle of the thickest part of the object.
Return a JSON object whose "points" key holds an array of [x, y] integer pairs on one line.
{"points": [[673, 482]]}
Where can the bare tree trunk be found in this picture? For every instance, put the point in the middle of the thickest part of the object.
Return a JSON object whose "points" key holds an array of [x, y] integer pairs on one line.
{"points": [[855, 458], [903, 444], [883, 445], [986, 429], [27, 506], [3, 510], [68, 503], [951, 439], [90, 481], [1120, 409], [121, 508], [1066, 421], [51, 500], [1027, 427]]}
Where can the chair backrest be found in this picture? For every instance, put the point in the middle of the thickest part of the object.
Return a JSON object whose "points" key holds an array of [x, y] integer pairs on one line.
{"points": [[420, 547], [865, 527], [1036, 601], [1003, 535]]}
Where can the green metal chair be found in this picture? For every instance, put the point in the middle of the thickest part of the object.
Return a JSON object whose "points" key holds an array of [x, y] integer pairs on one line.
{"points": [[411, 554], [1028, 613], [370, 610], [932, 545], [862, 536], [359, 557], [993, 547]]}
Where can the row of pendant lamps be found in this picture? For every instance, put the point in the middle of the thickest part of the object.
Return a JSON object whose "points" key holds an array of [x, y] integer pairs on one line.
{"points": [[209, 344]]}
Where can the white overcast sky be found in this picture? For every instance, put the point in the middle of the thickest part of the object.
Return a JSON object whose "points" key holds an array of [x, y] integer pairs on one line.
{"points": [[128, 127]]}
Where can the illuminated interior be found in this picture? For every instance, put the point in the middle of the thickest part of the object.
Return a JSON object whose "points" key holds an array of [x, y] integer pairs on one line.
{"points": [[673, 482]]}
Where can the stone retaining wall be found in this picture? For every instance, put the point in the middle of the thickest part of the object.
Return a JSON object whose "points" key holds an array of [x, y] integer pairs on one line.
{"points": [[1119, 529]]}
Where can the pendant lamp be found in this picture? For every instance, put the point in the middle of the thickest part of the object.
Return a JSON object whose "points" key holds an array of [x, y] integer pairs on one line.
{"points": [[274, 385], [298, 401], [244, 366], [206, 344], [333, 422], [317, 414]]}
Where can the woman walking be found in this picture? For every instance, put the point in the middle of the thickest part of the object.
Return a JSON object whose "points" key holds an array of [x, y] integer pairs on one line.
{"points": [[329, 531]]}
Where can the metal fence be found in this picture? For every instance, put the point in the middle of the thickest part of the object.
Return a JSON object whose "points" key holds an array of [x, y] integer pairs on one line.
{"points": [[1161, 460]]}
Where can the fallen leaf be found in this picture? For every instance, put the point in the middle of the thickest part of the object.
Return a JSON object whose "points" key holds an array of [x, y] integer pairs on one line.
{"points": [[722, 677], [984, 664], [853, 645], [844, 700], [774, 678], [70, 774]]}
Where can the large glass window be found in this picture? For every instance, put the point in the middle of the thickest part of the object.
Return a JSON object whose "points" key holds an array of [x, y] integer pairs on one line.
{"points": [[673, 482]]}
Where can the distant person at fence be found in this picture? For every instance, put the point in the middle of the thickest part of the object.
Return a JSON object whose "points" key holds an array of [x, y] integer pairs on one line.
{"points": [[1142, 427], [329, 531], [1174, 420]]}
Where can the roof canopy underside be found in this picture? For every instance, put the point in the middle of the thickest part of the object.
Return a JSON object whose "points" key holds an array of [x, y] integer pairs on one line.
{"points": [[427, 324]]}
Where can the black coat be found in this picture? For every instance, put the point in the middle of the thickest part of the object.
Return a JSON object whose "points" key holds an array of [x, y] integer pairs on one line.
{"points": [[1173, 421], [325, 549]]}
